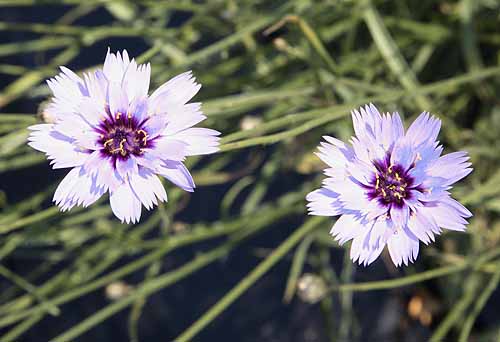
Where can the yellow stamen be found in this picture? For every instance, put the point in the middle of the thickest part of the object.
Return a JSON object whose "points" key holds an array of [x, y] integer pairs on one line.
{"points": [[378, 181], [401, 188], [383, 192], [121, 149], [129, 116], [398, 178], [118, 115], [107, 142], [389, 169], [145, 139], [398, 195]]}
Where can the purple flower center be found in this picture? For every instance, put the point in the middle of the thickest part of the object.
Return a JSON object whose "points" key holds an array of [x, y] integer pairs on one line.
{"points": [[122, 135], [391, 184]]}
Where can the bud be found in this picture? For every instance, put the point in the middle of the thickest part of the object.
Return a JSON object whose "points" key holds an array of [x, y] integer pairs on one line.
{"points": [[311, 288], [118, 290], [250, 122]]}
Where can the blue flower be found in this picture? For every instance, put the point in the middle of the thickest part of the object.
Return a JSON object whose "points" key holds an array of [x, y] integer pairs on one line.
{"points": [[389, 187], [116, 138]]}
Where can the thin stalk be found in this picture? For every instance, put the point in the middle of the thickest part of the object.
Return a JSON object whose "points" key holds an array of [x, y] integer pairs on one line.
{"points": [[156, 285], [171, 244], [393, 57], [343, 110], [298, 261], [27, 220], [455, 315], [145, 290], [419, 277], [249, 280], [22, 327], [31, 289], [479, 305]]}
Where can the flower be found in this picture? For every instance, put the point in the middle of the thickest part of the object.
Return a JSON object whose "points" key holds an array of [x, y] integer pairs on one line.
{"points": [[116, 138], [389, 187]]}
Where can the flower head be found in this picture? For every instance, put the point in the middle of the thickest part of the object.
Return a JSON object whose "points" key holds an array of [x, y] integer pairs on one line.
{"points": [[389, 187], [116, 138]]}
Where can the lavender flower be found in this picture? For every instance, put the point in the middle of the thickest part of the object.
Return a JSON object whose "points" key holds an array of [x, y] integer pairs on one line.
{"points": [[390, 187], [116, 138]]}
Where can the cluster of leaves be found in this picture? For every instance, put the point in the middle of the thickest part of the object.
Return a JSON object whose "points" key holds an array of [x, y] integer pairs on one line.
{"points": [[276, 76]]}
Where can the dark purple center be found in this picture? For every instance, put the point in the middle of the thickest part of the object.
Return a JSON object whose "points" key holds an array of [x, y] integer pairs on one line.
{"points": [[391, 184], [122, 135]]}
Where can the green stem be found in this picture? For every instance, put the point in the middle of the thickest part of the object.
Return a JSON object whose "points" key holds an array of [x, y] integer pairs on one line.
{"points": [[298, 261], [171, 244], [34, 45], [419, 277], [223, 44], [32, 290], [147, 289], [249, 280], [14, 334], [336, 112], [20, 223], [393, 57], [18, 117], [161, 282], [455, 315], [479, 305]]}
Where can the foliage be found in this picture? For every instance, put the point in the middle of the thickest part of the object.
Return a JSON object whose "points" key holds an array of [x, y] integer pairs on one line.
{"points": [[276, 75]]}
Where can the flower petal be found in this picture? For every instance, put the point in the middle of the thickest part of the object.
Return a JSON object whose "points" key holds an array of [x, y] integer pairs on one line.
{"points": [[136, 80], [445, 214], [346, 228], [335, 153], [424, 130], [104, 171], [361, 251], [403, 247], [97, 86], [167, 148], [139, 108], [178, 174], [115, 66], [126, 168], [182, 117], [58, 148], [68, 90], [199, 140], [174, 93], [77, 188], [324, 202], [148, 188], [155, 125], [117, 99], [125, 204], [403, 154], [451, 167], [91, 111], [422, 227], [399, 216]]}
